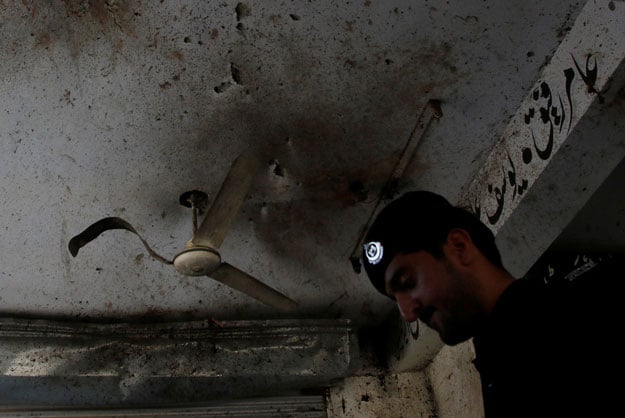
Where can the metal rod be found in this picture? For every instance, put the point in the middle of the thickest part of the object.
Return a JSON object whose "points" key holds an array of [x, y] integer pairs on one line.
{"points": [[432, 110]]}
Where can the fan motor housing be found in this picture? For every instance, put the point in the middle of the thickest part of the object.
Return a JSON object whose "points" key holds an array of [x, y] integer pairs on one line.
{"points": [[197, 261]]}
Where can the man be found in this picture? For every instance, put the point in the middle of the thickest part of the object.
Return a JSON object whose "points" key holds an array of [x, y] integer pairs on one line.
{"points": [[542, 349]]}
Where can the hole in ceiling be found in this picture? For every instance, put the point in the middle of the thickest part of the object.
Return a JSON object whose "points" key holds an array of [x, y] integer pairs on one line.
{"points": [[242, 10], [276, 168], [236, 73]]}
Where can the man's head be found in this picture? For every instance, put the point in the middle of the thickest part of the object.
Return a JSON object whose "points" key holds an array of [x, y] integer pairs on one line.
{"points": [[430, 256]]}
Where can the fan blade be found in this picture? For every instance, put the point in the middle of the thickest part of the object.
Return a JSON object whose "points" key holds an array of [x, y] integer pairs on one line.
{"points": [[226, 205], [93, 231], [243, 282]]}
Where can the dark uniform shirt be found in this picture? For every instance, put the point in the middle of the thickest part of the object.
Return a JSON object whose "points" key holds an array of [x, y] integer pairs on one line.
{"points": [[550, 349]]}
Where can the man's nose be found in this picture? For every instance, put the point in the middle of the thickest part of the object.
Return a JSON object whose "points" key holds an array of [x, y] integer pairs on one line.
{"points": [[408, 308]]}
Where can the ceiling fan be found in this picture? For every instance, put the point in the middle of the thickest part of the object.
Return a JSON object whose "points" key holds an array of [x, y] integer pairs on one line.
{"points": [[200, 256]]}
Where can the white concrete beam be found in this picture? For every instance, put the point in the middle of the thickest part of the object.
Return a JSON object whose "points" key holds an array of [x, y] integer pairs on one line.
{"points": [[562, 143], [126, 365], [564, 140]]}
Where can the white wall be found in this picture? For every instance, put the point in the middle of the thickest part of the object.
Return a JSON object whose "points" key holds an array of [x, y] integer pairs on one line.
{"points": [[394, 395], [447, 388], [455, 383]]}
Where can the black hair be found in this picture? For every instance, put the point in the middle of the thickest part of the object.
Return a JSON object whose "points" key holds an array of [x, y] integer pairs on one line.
{"points": [[482, 237]]}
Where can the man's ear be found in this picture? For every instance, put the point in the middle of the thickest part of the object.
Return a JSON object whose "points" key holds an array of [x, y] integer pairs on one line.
{"points": [[460, 246]]}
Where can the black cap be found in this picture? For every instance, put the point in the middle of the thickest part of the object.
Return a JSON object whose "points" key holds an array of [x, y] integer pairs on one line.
{"points": [[418, 220]]}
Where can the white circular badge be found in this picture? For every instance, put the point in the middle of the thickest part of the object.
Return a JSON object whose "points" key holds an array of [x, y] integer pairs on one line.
{"points": [[374, 252]]}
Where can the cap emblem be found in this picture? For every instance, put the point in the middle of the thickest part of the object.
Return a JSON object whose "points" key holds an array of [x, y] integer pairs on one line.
{"points": [[374, 252]]}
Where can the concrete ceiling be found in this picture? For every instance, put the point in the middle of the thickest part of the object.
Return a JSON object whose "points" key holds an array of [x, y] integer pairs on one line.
{"points": [[116, 108]]}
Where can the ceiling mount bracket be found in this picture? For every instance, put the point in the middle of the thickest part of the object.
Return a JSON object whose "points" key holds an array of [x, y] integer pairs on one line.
{"points": [[194, 199], [197, 201]]}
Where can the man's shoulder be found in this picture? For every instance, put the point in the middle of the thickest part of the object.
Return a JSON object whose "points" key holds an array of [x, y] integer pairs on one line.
{"points": [[583, 298], [576, 274], [541, 328], [571, 297]]}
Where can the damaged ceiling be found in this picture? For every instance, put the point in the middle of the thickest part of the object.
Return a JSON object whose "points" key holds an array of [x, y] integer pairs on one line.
{"points": [[114, 108]]}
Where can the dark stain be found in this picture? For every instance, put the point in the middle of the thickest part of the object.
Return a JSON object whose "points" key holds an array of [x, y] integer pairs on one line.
{"points": [[67, 97], [222, 87], [32, 8], [382, 382], [275, 18], [118, 46], [332, 162], [437, 72], [165, 85], [43, 40], [163, 315], [214, 34], [365, 398], [178, 55], [77, 23], [436, 55], [338, 188], [100, 11], [106, 13], [565, 27]]}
